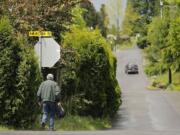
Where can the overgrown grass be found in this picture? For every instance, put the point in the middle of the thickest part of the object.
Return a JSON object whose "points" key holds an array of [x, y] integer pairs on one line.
{"points": [[150, 87], [76, 123], [70, 123], [162, 80], [5, 128]]}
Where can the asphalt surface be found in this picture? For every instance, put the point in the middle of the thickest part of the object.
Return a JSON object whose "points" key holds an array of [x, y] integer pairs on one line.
{"points": [[143, 112]]}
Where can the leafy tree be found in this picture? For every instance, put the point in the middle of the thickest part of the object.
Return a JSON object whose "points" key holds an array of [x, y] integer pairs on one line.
{"points": [[52, 15], [90, 15], [130, 18], [171, 53], [95, 19], [78, 20], [157, 38], [139, 15], [97, 92], [20, 77], [173, 1], [69, 66], [104, 21]]}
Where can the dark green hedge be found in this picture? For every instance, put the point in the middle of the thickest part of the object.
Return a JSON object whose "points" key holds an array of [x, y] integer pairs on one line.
{"points": [[90, 83], [19, 79]]}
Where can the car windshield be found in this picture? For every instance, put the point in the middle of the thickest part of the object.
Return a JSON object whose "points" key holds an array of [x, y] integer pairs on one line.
{"points": [[132, 65]]}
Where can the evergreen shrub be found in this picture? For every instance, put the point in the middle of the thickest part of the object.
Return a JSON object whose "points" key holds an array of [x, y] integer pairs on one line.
{"points": [[19, 79], [96, 92]]}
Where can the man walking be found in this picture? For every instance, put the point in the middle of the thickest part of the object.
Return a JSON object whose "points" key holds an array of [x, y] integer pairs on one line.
{"points": [[48, 93]]}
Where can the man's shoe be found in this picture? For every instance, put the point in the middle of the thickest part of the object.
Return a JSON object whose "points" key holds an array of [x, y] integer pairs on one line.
{"points": [[51, 129], [43, 125]]}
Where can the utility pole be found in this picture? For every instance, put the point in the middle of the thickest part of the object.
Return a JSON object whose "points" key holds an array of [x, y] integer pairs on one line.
{"points": [[161, 6], [118, 19]]}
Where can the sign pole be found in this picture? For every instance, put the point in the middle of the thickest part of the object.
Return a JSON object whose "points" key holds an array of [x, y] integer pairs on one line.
{"points": [[40, 40]]}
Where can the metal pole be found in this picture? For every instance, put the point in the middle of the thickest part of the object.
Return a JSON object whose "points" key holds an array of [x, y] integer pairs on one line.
{"points": [[161, 5], [40, 40]]}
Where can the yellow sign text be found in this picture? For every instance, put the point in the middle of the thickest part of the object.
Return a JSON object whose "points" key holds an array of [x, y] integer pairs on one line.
{"points": [[40, 33]]}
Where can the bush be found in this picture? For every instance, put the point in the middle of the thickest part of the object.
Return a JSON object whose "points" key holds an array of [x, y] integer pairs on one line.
{"points": [[97, 92], [155, 69], [69, 66], [19, 80], [142, 42]]}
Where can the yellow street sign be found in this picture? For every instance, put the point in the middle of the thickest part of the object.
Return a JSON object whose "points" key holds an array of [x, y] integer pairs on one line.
{"points": [[40, 33]]}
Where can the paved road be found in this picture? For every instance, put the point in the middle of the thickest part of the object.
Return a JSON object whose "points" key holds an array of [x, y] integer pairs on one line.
{"points": [[143, 112]]}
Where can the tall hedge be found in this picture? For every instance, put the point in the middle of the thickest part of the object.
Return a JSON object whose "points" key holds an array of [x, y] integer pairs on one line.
{"points": [[19, 79], [97, 90]]}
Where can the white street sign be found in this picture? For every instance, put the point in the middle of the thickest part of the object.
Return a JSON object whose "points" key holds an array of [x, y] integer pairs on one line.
{"points": [[48, 51]]}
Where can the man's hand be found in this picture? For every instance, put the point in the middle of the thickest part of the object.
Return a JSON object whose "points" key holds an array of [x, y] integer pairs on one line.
{"points": [[59, 103], [39, 103]]}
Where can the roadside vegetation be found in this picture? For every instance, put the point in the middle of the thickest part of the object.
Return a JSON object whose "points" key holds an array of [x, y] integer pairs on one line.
{"points": [[76, 123], [162, 82], [72, 123], [158, 36], [69, 123], [91, 94], [127, 44]]}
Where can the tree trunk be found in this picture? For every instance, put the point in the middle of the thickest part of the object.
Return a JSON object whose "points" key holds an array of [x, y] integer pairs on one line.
{"points": [[170, 76]]}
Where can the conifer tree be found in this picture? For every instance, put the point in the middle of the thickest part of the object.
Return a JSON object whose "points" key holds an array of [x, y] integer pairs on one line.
{"points": [[20, 78]]}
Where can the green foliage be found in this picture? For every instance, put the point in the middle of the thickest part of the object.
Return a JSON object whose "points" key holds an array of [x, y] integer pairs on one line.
{"points": [[138, 16], [9, 65], [78, 20], [51, 15], [130, 18], [163, 52], [155, 69], [96, 91], [157, 32], [90, 15], [173, 1], [69, 66], [73, 123], [95, 19], [142, 42], [20, 77], [171, 54], [161, 81], [104, 21], [157, 39], [163, 36]]}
